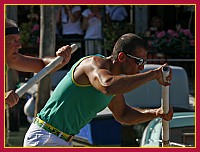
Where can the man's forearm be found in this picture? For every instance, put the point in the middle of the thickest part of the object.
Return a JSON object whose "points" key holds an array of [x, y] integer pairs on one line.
{"points": [[134, 115], [24, 63], [126, 83]]}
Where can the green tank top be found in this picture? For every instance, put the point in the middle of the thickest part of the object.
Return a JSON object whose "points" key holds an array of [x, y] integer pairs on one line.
{"points": [[72, 106]]}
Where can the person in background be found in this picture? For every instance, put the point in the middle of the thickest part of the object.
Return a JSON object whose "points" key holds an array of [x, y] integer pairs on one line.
{"points": [[69, 19], [20, 62], [69, 16], [116, 14], [92, 25]]}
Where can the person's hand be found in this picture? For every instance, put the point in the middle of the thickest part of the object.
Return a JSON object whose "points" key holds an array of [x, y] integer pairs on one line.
{"points": [[167, 117], [65, 52], [11, 98], [160, 76]]}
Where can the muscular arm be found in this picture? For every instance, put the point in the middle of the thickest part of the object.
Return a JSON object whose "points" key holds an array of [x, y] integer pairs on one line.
{"points": [[99, 76], [28, 64], [121, 84], [102, 79], [24, 63], [95, 71], [131, 115]]}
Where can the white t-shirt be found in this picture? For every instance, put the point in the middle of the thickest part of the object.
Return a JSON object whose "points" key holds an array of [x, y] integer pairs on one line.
{"points": [[116, 13], [94, 30], [67, 26]]}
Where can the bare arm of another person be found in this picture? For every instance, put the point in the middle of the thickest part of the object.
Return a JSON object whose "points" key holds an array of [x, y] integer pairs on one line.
{"points": [[72, 16], [25, 63], [32, 64]]}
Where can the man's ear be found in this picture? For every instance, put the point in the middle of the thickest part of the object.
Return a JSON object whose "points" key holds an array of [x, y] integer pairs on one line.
{"points": [[121, 57]]}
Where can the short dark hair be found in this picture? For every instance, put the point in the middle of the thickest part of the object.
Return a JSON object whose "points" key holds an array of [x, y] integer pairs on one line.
{"points": [[128, 43]]}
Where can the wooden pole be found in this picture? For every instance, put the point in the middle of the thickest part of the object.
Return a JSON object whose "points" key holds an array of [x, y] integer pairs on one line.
{"points": [[47, 48]]}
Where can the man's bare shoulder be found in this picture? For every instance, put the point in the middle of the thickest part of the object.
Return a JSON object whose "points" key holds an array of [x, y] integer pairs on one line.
{"points": [[95, 61], [88, 68]]}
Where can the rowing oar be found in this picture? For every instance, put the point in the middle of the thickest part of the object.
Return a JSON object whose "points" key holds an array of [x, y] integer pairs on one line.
{"points": [[165, 106], [46, 70]]}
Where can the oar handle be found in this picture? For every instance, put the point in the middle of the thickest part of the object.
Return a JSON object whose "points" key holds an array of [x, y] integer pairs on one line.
{"points": [[46, 70], [165, 106]]}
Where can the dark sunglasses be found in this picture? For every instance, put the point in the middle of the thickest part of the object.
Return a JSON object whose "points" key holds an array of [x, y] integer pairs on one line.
{"points": [[139, 61]]}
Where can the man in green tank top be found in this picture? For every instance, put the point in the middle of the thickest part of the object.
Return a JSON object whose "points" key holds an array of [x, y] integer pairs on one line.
{"points": [[92, 84], [17, 61]]}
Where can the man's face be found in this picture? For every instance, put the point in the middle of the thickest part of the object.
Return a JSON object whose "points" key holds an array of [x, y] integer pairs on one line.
{"points": [[133, 63], [12, 43]]}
